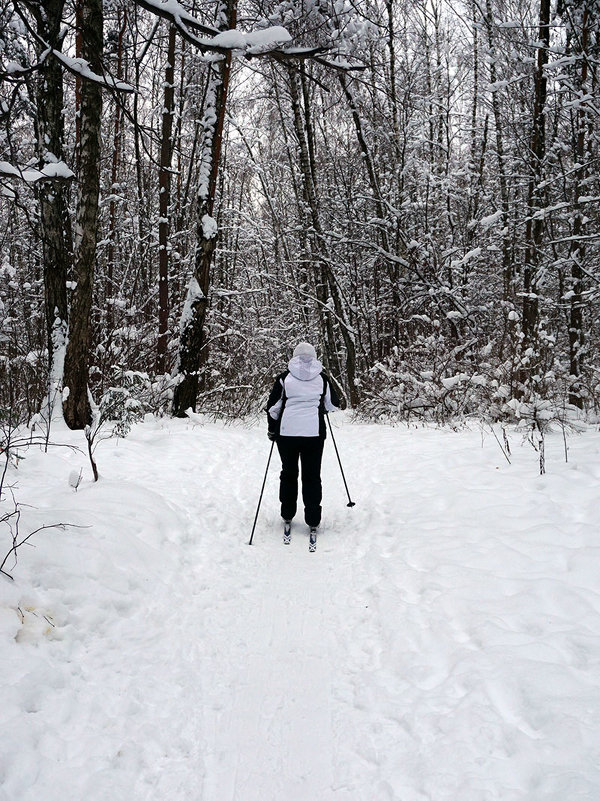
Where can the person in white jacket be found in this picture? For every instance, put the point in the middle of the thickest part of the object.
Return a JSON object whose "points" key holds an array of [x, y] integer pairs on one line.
{"points": [[299, 400]]}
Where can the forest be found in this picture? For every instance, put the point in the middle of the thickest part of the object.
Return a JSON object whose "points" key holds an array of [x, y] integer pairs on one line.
{"points": [[189, 188]]}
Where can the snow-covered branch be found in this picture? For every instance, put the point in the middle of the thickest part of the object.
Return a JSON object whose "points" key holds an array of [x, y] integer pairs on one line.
{"points": [[53, 171], [260, 42], [80, 67], [77, 66]]}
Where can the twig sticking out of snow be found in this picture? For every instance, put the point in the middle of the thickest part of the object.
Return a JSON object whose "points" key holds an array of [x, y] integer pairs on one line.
{"points": [[505, 450], [11, 519]]}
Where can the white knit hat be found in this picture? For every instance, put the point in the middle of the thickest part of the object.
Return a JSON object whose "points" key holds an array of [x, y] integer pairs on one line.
{"points": [[305, 349]]}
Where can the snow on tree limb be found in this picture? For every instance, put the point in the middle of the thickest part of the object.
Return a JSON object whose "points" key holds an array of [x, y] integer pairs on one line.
{"points": [[340, 64], [8, 171], [80, 67], [77, 66], [253, 44], [53, 171], [14, 72], [174, 12]]}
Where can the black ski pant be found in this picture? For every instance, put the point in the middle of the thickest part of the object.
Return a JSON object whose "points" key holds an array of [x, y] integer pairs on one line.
{"points": [[309, 450]]}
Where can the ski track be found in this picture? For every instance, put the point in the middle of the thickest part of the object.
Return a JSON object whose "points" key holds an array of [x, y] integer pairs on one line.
{"points": [[404, 660]]}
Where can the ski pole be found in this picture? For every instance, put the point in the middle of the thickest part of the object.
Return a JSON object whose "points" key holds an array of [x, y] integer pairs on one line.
{"points": [[261, 492], [350, 501]]}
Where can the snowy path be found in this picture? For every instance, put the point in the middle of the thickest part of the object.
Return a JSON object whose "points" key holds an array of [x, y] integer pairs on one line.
{"points": [[268, 688], [443, 644]]}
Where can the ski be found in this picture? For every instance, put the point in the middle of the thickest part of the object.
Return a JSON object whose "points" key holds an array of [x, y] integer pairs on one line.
{"points": [[312, 540], [287, 532]]}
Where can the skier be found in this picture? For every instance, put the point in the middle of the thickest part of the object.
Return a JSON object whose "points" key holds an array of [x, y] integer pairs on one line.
{"points": [[296, 408]]}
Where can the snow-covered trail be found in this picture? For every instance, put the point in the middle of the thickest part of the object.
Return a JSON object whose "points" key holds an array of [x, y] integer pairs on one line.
{"points": [[266, 622], [443, 644]]}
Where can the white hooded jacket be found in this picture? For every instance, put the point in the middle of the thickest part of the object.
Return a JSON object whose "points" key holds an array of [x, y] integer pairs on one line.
{"points": [[302, 389]]}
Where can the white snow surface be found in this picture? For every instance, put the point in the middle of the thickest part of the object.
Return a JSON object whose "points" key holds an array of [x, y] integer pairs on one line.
{"points": [[442, 644]]}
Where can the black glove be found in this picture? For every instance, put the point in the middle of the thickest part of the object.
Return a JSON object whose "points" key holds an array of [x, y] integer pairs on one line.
{"points": [[272, 435]]}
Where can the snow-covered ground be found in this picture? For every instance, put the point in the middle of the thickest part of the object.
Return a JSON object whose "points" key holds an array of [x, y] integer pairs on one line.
{"points": [[443, 644]]}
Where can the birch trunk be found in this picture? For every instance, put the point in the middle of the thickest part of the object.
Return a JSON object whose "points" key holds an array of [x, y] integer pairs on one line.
{"points": [[535, 224], [191, 339], [77, 405], [508, 271], [576, 332], [114, 175], [164, 183], [331, 307], [54, 221]]}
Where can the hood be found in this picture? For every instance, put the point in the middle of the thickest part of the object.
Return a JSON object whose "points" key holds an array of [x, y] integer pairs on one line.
{"points": [[305, 368]]}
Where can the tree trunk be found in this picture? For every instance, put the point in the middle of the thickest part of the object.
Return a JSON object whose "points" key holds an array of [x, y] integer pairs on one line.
{"points": [[535, 225], [194, 313], [164, 183], [508, 271], [54, 223], [77, 405], [391, 333], [78, 79], [576, 333], [327, 286], [393, 93], [116, 161], [313, 244]]}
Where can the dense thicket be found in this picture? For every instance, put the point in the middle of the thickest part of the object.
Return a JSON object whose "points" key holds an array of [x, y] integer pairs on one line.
{"points": [[430, 221]]}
